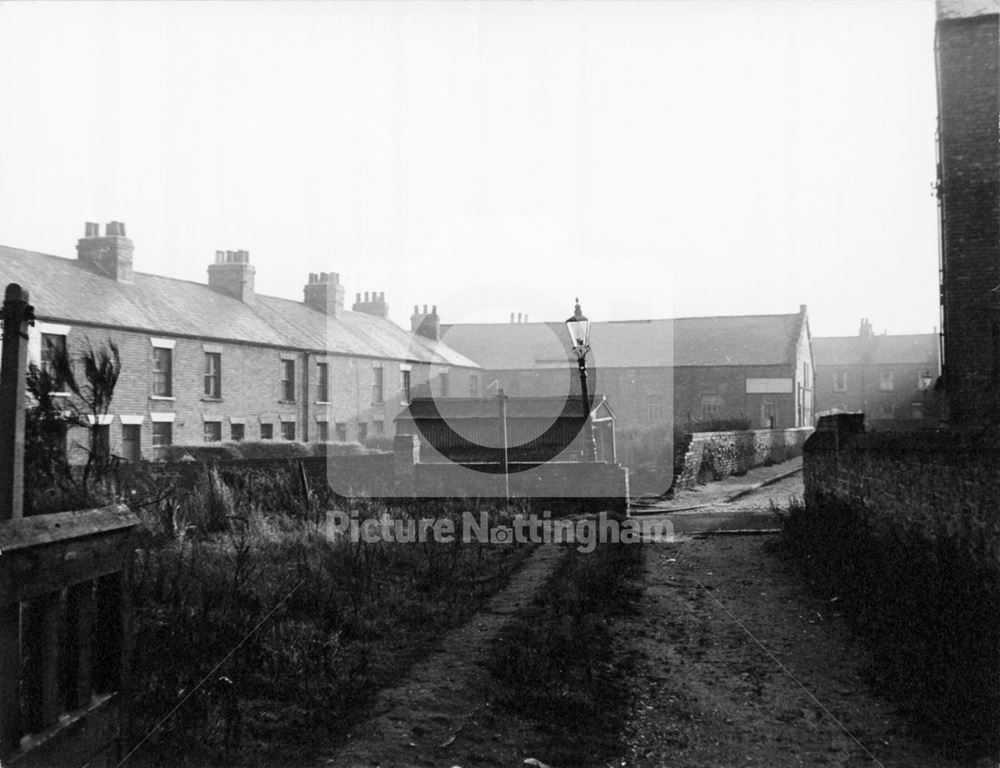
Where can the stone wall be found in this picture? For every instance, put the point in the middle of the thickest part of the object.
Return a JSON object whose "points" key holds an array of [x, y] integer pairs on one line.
{"points": [[705, 456]]}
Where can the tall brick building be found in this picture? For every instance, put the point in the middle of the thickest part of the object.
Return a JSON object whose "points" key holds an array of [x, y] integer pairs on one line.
{"points": [[968, 73], [204, 362]]}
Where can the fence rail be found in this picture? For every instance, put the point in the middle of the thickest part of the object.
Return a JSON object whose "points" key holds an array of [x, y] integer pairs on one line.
{"points": [[63, 636]]}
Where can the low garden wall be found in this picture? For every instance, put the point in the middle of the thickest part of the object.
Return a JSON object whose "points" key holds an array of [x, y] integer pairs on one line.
{"points": [[704, 456]]}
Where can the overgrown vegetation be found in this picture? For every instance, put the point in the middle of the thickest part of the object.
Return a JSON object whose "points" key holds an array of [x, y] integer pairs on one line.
{"points": [[59, 402], [924, 594], [559, 664], [266, 637]]}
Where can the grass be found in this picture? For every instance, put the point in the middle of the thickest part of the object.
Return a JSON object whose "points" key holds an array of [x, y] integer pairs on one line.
{"points": [[557, 662], [262, 640], [925, 597]]}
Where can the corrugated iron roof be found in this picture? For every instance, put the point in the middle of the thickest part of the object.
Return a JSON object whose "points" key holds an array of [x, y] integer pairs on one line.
{"points": [[917, 349], [688, 341], [65, 289]]}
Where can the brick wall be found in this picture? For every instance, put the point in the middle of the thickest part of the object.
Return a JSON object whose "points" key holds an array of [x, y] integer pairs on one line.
{"points": [[707, 456], [251, 388], [968, 54]]}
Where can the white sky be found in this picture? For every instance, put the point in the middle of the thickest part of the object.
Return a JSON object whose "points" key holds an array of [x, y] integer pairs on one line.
{"points": [[656, 159]]}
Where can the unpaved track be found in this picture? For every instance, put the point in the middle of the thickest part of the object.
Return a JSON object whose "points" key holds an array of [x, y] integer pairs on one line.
{"points": [[724, 632], [439, 714]]}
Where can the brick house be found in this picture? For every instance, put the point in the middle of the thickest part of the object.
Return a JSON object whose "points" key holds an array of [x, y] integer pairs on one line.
{"points": [[888, 378], [968, 72], [660, 372], [219, 361]]}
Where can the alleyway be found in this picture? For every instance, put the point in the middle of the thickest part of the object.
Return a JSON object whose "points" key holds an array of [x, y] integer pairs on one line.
{"points": [[739, 665]]}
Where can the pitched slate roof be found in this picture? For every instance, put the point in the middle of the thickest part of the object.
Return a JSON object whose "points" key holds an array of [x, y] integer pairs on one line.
{"points": [[67, 290], [688, 341], [488, 408], [916, 349]]}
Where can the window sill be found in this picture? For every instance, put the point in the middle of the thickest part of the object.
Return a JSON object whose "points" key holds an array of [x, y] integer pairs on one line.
{"points": [[207, 399], [287, 402], [162, 397], [323, 402]]}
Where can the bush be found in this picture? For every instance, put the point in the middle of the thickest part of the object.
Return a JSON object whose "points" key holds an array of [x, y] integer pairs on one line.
{"points": [[337, 449], [204, 452], [925, 596], [272, 449]]}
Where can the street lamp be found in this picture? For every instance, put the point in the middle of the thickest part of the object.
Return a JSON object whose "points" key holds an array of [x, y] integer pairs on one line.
{"points": [[578, 327]]}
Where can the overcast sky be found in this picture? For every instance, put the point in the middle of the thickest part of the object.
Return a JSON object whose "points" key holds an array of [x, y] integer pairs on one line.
{"points": [[656, 159]]}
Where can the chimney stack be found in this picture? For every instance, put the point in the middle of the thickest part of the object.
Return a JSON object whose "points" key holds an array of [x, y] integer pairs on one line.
{"points": [[324, 293], [374, 304], [233, 275], [110, 255], [426, 324]]}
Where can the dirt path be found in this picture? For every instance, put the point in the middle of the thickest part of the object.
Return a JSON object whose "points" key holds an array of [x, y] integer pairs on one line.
{"points": [[725, 636], [439, 715]]}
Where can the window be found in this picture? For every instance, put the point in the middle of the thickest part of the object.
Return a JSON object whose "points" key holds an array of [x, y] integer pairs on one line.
{"points": [[917, 410], [362, 432], [163, 372], [53, 346], [711, 405], [840, 381], [323, 430], [655, 407], [885, 410], [213, 374], [886, 381], [132, 442], [378, 384], [379, 427], [288, 430], [341, 430], [237, 432], [443, 378], [473, 385], [288, 380], [406, 386], [162, 437], [323, 382], [266, 431], [213, 431]]}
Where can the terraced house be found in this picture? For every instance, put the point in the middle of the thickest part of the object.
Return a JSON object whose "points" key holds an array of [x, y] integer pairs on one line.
{"points": [[218, 361]]}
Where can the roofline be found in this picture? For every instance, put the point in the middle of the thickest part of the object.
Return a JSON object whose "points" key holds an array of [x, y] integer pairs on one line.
{"points": [[240, 342], [638, 320]]}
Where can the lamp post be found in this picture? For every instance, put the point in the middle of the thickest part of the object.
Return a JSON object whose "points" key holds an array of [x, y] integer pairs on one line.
{"points": [[578, 327]]}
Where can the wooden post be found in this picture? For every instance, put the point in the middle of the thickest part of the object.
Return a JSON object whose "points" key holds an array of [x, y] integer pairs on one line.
{"points": [[17, 314], [10, 677]]}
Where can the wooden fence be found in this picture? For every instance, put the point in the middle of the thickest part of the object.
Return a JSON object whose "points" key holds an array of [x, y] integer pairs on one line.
{"points": [[64, 610]]}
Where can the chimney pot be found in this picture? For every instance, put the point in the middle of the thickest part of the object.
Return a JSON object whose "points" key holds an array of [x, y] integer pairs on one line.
{"points": [[357, 298], [512, 318], [416, 309], [92, 229], [519, 317], [425, 309], [366, 297]]}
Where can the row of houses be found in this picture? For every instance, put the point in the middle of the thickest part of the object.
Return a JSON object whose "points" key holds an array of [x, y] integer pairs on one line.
{"points": [[203, 362]]}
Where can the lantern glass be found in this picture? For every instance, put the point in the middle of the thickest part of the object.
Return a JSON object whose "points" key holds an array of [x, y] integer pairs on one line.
{"points": [[578, 327]]}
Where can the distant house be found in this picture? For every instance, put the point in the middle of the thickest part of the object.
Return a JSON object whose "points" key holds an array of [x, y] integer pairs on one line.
{"points": [[888, 378], [220, 361], [659, 373], [469, 430]]}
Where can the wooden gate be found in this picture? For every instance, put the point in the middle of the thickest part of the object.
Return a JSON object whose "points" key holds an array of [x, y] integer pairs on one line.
{"points": [[63, 603]]}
